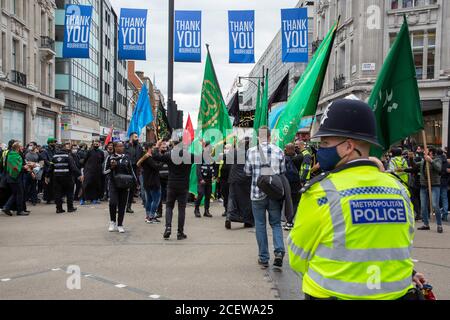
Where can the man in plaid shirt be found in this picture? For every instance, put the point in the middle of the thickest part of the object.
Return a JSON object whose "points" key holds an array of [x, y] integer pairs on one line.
{"points": [[254, 167]]}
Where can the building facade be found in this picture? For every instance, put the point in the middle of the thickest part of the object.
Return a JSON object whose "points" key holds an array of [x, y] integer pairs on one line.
{"points": [[93, 89], [29, 110], [272, 59], [367, 30]]}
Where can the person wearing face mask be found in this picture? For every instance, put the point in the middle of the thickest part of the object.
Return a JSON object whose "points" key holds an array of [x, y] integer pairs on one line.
{"points": [[47, 155], [353, 216], [134, 151], [31, 191], [92, 181]]}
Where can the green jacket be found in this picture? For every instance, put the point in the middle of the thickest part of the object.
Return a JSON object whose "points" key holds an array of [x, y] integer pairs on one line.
{"points": [[14, 164]]}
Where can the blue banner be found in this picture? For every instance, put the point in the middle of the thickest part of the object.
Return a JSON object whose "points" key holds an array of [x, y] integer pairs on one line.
{"points": [[294, 32], [188, 36], [132, 34], [241, 27], [77, 29]]}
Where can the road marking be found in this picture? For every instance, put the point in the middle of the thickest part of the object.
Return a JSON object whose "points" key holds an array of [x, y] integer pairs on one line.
{"points": [[120, 286], [87, 275], [56, 269], [415, 261], [154, 296], [6, 280]]}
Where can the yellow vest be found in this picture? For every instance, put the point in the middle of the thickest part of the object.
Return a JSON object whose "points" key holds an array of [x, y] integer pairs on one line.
{"points": [[352, 236], [306, 167], [400, 163]]}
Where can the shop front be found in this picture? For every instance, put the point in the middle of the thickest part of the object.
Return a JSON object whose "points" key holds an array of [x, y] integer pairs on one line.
{"points": [[44, 126], [13, 122]]}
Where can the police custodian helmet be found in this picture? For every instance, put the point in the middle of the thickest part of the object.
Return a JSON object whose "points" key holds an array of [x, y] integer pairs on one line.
{"points": [[349, 119]]}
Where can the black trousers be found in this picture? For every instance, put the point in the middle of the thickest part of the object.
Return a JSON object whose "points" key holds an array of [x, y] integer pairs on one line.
{"points": [[415, 199], [225, 190], [133, 189], [117, 203], [295, 202], [179, 194], [48, 191], [63, 187], [15, 200], [204, 190], [163, 197], [78, 190]]}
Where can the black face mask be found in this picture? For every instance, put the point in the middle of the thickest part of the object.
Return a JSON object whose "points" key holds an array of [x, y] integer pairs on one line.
{"points": [[135, 142], [96, 147]]}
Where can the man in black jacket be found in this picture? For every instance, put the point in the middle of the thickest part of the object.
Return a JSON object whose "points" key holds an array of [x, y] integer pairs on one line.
{"points": [[63, 170], [178, 184], [47, 156], [163, 177], [205, 175], [134, 151]]}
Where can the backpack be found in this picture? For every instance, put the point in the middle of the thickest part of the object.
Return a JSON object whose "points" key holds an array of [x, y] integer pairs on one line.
{"points": [[269, 182], [292, 173]]}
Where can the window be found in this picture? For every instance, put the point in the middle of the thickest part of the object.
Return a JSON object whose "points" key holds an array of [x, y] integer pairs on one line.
{"points": [[2, 51], [399, 4], [14, 54], [430, 63], [14, 6], [13, 124], [44, 127], [24, 59]]}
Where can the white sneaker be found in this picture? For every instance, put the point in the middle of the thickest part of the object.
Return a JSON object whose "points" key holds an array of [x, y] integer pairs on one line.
{"points": [[121, 229], [112, 227]]}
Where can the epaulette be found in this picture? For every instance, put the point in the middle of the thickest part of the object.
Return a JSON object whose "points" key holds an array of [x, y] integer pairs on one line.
{"points": [[315, 180]]}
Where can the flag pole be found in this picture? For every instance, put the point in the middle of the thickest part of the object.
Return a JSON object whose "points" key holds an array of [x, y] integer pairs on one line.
{"points": [[430, 193]]}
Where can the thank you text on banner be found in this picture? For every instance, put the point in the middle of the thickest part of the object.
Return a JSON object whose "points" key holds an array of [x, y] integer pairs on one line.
{"points": [[77, 26], [188, 36], [294, 31], [241, 26], [132, 34]]}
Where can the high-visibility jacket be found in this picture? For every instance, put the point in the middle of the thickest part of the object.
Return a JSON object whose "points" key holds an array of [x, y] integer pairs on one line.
{"points": [[353, 233], [305, 168], [399, 163]]}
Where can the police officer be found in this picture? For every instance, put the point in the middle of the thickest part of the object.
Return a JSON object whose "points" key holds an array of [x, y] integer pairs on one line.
{"points": [[352, 236], [398, 164], [305, 168], [64, 170]]}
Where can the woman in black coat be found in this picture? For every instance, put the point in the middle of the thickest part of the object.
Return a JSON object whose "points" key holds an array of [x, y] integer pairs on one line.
{"points": [[118, 163]]}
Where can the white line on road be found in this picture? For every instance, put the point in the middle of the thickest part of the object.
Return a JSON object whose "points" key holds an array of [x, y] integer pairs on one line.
{"points": [[120, 286], [154, 296], [56, 269], [6, 280]]}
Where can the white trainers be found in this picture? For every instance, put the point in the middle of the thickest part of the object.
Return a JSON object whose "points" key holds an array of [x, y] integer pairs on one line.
{"points": [[112, 226], [121, 229]]}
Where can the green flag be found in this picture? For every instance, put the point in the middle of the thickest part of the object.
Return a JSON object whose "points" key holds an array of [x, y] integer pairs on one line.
{"points": [[395, 97], [264, 118], [258, 108], [213, 114], [305, 96]]}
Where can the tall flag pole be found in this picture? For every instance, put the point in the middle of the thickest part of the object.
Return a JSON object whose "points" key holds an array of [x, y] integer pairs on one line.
{"points": [[305, 96]]}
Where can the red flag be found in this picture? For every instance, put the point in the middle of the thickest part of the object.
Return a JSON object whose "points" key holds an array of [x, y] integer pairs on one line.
{"points": [[188, 133], [109, 137]]}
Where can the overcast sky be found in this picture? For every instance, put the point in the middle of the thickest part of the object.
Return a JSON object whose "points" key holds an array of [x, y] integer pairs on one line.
{"points": [[189, 76]]}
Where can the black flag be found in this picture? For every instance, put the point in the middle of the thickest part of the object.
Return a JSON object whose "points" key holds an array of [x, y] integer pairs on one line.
{"points": [[233, 108], [281, 93]]}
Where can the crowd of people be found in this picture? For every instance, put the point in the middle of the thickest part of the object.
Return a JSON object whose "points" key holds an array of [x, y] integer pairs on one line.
{"points": [[121, 173]]}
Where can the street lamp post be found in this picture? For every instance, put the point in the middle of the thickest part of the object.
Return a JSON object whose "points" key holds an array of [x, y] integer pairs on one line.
{"points": [[172, 112]]}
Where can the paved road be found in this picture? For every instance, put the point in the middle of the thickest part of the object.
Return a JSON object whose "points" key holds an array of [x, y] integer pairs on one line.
{"points": [[213, 263]]}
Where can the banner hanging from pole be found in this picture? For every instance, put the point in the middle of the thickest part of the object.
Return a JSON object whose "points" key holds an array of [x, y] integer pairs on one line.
{"points": [[77, 29], [132, 34], [241, 27], [294, 33], [188, 36]]}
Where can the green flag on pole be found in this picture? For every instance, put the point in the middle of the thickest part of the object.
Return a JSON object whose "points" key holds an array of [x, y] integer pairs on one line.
{"points": [[264, 119], [305, 96], [258, 108], [213, 114], [395, 98]]}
